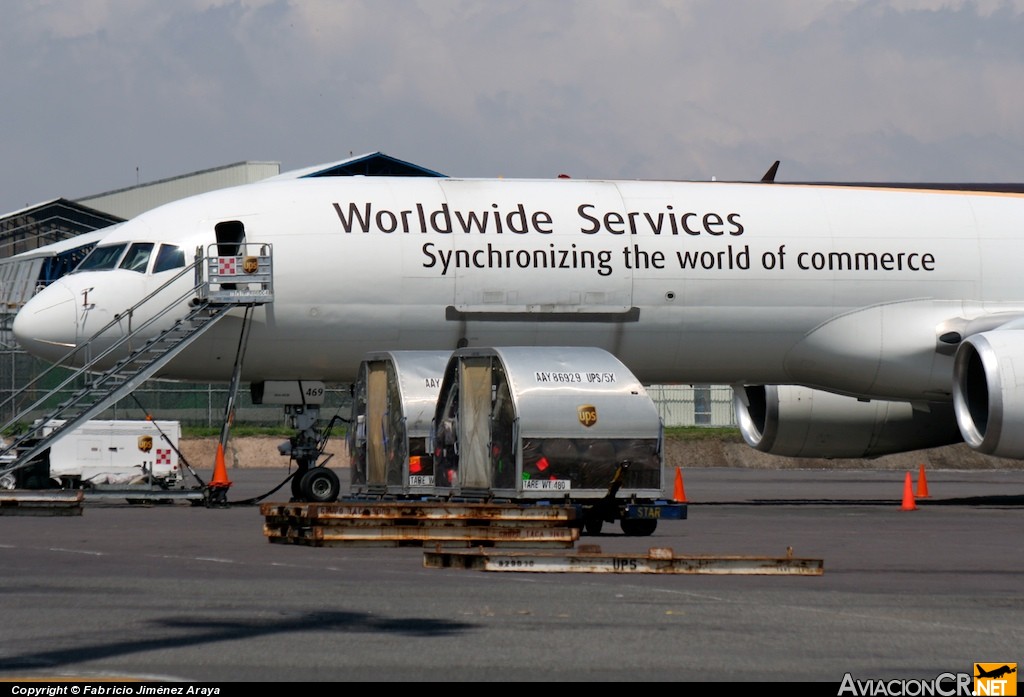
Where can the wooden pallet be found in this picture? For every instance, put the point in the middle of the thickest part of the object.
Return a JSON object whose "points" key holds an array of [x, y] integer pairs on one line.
{"points": [[41, 503], [397, 524], [590, 559]]}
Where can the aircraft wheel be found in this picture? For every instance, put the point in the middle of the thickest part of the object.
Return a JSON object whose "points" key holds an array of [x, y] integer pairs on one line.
{"points": [[638, 527], [593, 526], [320, 485]]}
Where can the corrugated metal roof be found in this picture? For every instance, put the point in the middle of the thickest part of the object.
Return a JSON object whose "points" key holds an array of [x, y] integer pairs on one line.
{"points": [[64, 245], [180, 177], [131, 201], [373, 164], [48, 222]]}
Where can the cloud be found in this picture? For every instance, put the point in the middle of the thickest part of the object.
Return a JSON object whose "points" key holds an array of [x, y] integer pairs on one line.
{"points": [[852, 90]]}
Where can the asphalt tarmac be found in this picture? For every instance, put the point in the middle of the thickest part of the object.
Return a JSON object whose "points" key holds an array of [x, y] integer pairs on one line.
{"points": [[189, 593]]}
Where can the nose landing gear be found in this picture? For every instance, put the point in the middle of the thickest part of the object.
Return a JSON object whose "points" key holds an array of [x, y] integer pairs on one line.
{"points": [[311, 482]]}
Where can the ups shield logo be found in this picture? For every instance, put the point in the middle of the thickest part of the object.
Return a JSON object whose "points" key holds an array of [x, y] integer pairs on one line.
{"points": [[145, 443], [250, 265], [587, 414]]}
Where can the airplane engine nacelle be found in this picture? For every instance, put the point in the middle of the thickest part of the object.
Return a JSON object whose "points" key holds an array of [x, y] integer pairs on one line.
{"points": [[803, 422], [988, 392]]}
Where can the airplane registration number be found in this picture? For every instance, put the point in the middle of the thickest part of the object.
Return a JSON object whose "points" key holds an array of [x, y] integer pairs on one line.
{"points": [[547, 485]]}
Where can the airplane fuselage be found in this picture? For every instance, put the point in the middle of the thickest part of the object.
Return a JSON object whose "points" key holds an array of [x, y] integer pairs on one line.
{"points": [[684, 282]]}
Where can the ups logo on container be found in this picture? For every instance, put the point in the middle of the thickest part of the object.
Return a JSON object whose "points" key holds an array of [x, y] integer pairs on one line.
{"points": [[587, 414], [145, 443], [250, 265]]}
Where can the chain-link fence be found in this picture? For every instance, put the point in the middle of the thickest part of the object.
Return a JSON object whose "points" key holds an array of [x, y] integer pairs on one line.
{"points": [[694, 405], [191, 404], [204, 404]]}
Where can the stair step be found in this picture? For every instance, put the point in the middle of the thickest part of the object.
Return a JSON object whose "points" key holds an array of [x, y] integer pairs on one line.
{"points": [[102, 388]]}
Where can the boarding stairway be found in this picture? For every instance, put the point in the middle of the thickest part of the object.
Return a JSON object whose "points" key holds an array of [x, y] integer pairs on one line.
{"points": [[222, 284]]}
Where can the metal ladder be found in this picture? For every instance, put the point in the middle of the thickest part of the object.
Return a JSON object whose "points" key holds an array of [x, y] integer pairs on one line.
{"points": [[142, 362]]}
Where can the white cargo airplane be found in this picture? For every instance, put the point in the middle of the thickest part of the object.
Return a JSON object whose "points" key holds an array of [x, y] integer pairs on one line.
{"points": [[852, 320]]}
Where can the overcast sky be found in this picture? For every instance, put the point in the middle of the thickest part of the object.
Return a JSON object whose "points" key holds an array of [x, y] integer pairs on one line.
{"points": [[97, 94]]}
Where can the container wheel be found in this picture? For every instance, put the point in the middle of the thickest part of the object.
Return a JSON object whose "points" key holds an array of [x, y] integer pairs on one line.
{"points": [[320, 485], [638, 527]]}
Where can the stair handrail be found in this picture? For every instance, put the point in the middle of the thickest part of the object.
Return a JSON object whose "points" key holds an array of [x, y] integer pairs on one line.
{"points": [[80, 394], [60, 363], [23, 460]]}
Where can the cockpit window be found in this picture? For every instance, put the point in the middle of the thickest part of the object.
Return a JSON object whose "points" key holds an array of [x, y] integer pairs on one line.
{"points": [[137, 258], [169, 257], [102, 258]]}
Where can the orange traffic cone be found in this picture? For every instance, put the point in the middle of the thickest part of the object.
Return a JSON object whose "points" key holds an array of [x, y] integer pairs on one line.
{"points": [[220, 471], [908, 496], [679, 495], [922, 484]]}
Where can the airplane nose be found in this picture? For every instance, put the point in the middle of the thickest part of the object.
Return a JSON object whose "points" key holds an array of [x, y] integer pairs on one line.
{"points": [[46, 326]]}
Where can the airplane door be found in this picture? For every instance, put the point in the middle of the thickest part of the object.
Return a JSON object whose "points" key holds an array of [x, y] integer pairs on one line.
{"points": [[230, 238]]}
